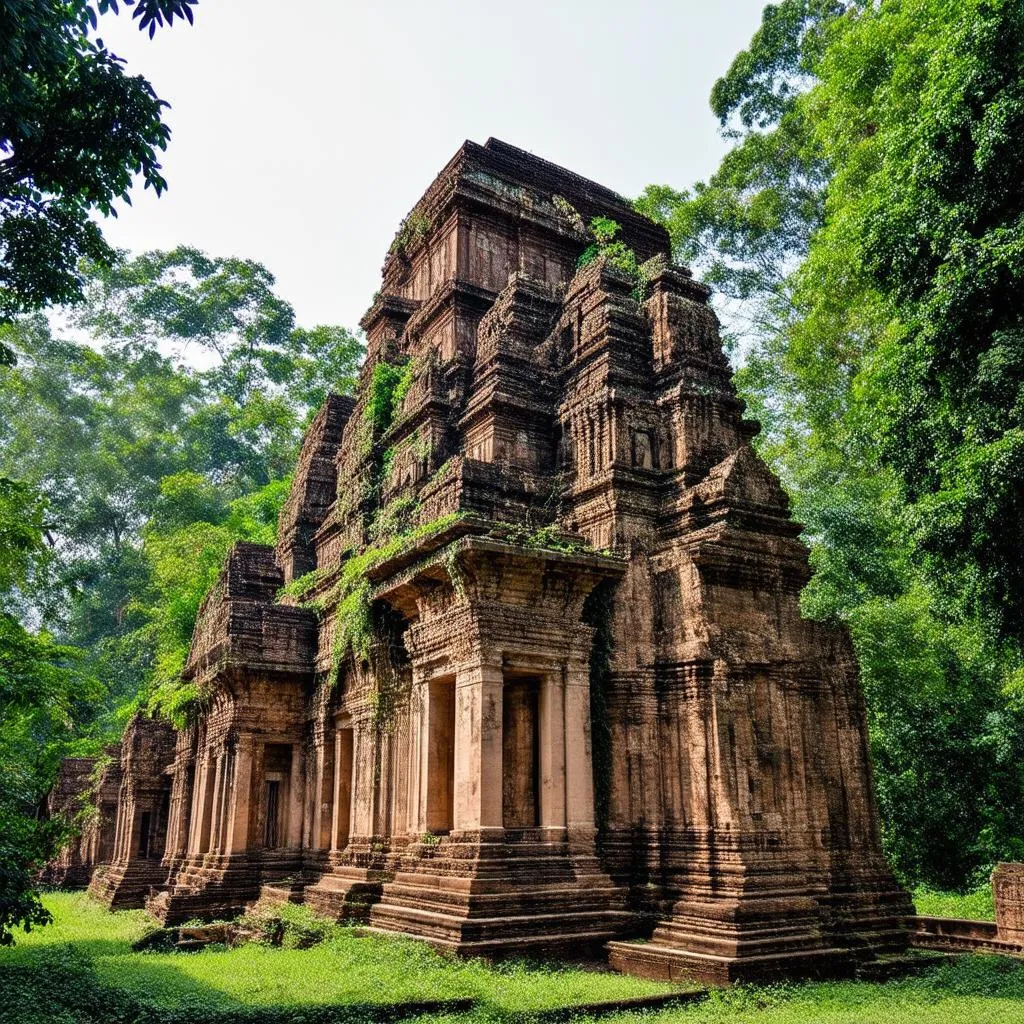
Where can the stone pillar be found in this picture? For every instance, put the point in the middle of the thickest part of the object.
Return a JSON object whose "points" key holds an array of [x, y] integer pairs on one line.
{"points": [[552, 742], [579, 768], [362, 781], [478, 760], [1008, 890], [336, 810], [319, 785], [325, 789], [200, 832], [419, 742], [293, 827], [214, 812], [239, 816], [227, 779]]}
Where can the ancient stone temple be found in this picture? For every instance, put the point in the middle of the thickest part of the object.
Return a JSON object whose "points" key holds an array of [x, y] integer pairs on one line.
{"points": [[527, 670], [134, 865]]}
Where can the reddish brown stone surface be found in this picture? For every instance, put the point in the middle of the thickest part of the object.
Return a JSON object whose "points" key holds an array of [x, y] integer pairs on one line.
{"points": [[135, 866], [66, 802], [85, 796], [575, 469], [1008, 890]]}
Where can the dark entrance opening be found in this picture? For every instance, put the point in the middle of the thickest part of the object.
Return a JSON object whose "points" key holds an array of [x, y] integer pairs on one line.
{"points": [[441, 756], [271, 830], [145, 830], [520, 750]]}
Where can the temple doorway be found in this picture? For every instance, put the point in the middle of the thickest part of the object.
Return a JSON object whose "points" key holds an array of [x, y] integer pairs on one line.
{"points": [[441, 756], [344, 746], [277, 770], [520, 749]]}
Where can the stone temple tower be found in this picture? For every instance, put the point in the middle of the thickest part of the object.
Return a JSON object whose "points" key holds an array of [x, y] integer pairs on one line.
{"points": [[526, 669]]}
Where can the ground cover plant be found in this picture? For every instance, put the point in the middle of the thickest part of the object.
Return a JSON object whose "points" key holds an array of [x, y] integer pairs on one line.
{"points": [[975, 990], [81, 970], [978, 905]]}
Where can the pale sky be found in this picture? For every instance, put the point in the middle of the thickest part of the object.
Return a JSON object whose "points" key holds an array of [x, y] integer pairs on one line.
{"points": [[303, 132]]}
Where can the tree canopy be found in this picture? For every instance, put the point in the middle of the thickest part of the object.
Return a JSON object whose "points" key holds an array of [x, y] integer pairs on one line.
{"points": [[75, 131]]}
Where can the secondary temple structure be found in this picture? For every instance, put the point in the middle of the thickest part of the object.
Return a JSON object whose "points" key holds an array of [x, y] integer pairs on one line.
{"points": [[526, 669]]}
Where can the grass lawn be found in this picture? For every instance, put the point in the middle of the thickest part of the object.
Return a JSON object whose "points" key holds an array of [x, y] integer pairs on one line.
{"points": [[972, 906], [80, 970], [88, 948]]}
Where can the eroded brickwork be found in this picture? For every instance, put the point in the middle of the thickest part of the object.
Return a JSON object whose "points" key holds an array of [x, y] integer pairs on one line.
{"points": [[135, 867], [575, 700]]}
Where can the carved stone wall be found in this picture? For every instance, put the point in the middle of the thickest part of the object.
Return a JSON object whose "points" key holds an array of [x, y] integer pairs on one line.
{"points": [[564, 694], [143, 808]]}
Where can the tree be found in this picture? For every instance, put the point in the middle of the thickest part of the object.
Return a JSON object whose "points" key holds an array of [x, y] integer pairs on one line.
{"points": [[39, 686], [74, 131], [866, 236]]}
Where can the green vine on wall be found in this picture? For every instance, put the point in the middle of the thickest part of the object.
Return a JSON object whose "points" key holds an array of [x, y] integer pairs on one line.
{"points": [[389, 385], [351, 593], [604, 231]]}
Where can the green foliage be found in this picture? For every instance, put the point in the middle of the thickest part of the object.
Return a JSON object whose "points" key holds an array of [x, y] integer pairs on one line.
{"points": [[82, 969], [228, 308], [394, 518], [978, 905], [389, 385], [41, 686], [862, 236], [350, 593], [617, 253], [186, 561], [548, 537], [147, 463], [413, 227], [136, 472], [75, 130]]}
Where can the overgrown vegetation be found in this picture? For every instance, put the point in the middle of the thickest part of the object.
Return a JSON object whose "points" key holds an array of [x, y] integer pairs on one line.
{"points": [[978, 905], [389, 385], [604, 231], [82, 970], [413, 227], [349, 596]]}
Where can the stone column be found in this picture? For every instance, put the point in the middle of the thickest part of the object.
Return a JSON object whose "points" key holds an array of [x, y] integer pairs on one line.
{"points": [[238, 840], [293, 827], [214, 812], [325, 789], [362, 780], [227, 781], [552, 744], [419, 754], [579, 769], [478, 758], [318, 787], [336, 813], [199, 832]]}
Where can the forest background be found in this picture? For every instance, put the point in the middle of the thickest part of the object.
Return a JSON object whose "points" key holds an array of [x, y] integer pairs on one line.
{"points": [[865, 235]]}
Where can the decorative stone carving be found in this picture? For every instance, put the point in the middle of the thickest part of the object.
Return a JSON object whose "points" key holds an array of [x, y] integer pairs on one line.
{"points": [[588, 701]]}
